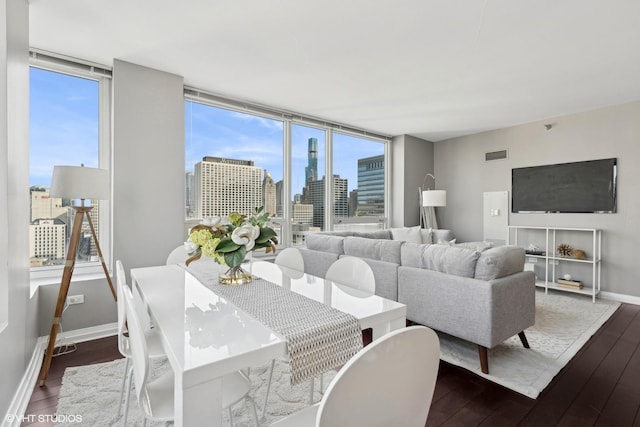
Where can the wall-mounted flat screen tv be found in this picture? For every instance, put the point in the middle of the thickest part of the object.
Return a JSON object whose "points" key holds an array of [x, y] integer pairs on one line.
{"points": [[578, 187]]}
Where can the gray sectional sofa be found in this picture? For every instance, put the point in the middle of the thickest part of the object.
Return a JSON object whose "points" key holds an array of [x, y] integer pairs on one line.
{"points": [[471, 290]]}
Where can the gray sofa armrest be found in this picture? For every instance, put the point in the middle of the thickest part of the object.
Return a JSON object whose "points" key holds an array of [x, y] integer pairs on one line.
{"points": [[485, 313]]}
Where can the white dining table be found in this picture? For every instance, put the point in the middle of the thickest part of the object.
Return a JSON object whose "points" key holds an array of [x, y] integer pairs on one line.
{"points": [[207, 337]]}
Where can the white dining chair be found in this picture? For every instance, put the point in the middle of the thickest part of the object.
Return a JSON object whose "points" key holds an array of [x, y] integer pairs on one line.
{"points": [[156, 396], [352, 273], [152, 337], [388, 383], [291, 258], [177, 256]]}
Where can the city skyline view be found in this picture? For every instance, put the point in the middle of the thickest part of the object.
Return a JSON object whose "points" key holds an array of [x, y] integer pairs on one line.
{"points": [[65, 126], [64, 130]]}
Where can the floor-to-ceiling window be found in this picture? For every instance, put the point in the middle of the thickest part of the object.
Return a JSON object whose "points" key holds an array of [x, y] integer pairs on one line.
{"points": [[68, 125], [233, 163], [358, 182], [308, 168], [239, 158]]}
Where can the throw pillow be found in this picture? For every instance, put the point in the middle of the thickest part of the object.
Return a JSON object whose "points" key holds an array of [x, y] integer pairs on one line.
{"points": [[426, 235], [407, 234]]}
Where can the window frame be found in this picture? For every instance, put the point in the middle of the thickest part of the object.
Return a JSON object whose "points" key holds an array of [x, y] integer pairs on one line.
{"points": [[289, 119], [102, 75]]}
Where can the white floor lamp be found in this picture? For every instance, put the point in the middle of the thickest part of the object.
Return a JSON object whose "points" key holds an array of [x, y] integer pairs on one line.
{"points": [[429, 200], [75, 182]]}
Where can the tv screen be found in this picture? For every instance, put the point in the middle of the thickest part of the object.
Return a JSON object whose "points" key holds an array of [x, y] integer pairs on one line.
{"points": [[579, 187]]}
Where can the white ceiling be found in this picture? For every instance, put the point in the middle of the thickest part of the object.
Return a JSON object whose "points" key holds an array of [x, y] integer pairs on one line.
{"points": [[435, 69]]}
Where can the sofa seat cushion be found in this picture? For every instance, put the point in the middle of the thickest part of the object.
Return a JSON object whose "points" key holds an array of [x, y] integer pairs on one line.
{"points": [[325, 243], [378, 249], [444, 259], [499, 262]]}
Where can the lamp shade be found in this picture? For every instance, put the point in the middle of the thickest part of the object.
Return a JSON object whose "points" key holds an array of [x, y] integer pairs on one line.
{"points": [[79, 182], [434, 198]]}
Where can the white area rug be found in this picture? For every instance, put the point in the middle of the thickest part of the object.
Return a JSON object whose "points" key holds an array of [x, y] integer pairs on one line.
{"points": [[564, 323], [92, 393]]}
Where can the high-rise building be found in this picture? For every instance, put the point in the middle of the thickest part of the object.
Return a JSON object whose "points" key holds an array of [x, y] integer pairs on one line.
{"points": [[47, 240], [370, 194], [353, 202], [301, 213], [311, 171], [279, 198], [45, 207], [314, 195], [189, 195], [268, 194], [224, 185]]}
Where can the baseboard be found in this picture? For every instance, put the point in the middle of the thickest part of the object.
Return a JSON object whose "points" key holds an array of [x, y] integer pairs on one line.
{"points": [[15, 412], [18, 406], [88, 334], [628, 299]]}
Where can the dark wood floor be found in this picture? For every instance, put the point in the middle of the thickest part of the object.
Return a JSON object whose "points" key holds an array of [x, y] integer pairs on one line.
{"points": [[599, 387]]}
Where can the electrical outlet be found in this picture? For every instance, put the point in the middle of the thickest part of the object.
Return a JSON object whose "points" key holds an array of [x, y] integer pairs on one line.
{"points": [[532, 260], [75, 299]]}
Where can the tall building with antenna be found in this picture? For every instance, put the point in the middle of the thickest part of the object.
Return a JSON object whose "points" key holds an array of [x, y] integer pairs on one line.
{"points": [[311, 171]]}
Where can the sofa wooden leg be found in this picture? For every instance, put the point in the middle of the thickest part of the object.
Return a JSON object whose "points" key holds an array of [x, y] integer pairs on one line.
{"points": [[484, 359], [523, 338]]}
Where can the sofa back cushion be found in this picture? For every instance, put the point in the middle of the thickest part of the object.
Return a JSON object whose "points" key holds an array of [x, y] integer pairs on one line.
{"points": [[441, 234], [378, 249], [374, 234], [444, 259], [500, 261], [476, 246], [407, 234], [325, 243]]}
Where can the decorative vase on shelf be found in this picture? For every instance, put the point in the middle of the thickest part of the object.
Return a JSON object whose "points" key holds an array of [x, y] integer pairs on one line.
{"points": [[235, 276]]}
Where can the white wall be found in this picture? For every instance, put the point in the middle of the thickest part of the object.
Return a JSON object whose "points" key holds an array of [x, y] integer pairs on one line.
{"points": [[148, 164], [17, 314], [609, 132]]}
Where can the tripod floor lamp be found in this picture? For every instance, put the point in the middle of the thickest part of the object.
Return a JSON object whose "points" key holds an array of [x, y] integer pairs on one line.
{"points": [[429, 199], [75, 182]]}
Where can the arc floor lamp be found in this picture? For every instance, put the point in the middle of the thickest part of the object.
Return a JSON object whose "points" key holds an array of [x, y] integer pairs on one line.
{"points": [[429, 199], [75, 182]]}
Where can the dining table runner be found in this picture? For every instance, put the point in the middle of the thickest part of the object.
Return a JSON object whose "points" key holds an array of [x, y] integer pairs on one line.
{"points": [[319, 337]]}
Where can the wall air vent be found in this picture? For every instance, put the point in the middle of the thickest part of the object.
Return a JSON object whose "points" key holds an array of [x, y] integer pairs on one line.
{"points": [[495, 155]]}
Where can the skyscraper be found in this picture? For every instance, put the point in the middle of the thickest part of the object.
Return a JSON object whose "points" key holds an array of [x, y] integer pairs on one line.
{"points": [[279, 198], [311, 171], [370, 193], [269, 194], [315, 196], [189, 194], [224, 185]]}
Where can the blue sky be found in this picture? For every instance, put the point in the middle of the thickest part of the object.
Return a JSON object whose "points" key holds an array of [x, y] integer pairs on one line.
{"points": [[63, 123], [64, 131]]}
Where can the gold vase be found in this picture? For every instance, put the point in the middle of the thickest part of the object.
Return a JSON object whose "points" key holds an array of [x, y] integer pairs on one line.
{"points": [[235, 276]]}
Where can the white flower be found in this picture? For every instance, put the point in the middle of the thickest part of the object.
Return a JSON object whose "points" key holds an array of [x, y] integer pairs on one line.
{"points": [[190, 247], [246, 235], [211, 221]]}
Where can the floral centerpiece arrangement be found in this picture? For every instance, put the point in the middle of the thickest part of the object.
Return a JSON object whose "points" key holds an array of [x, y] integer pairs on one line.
{"points": [[229, 240]]}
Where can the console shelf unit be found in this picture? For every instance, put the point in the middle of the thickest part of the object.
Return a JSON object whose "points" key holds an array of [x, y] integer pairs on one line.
{"points": [[553, 261]]}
